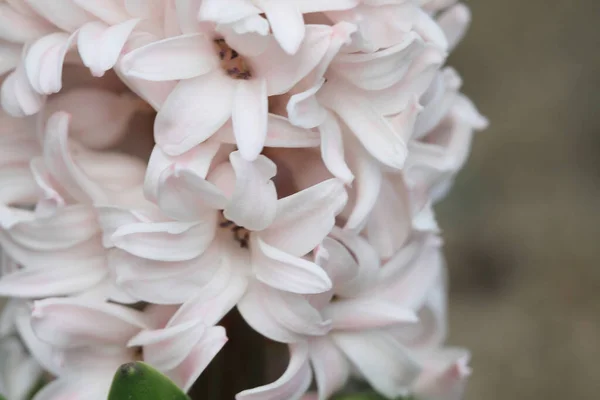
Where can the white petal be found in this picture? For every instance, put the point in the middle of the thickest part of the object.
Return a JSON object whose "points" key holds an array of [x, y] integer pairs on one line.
{"points": [[385, 364], [65, 14], [371, 128], [282, 70], [198, 159], [291, 385], [100, 45], [285, 272], [180, 57], [195, 110], [332, 149], [366, 185], [168, 241], [112, 12], [166, 348], [304, 109], [18, 96], [280, 316], [75, 322], [330, 366], [185, 196], [287, 24], [200, 357], [253, 204], [365, 313], [249, 116], [46, 282], [305, 218], [44, 62]]}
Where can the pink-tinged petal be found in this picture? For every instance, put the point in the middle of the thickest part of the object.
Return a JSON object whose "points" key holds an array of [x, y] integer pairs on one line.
{"points": [[368, 263], [17, 96], [332, 149], [68, 227], [382, 69], [404, 123], [86, 254], [280, 133], [286, 272], [287, 24], [62, 13], [373, 131], [304, 109], [455, 22], [44, 353], [47, 282], [280, 316], [143, 8], [389, 224], [166, 241], [330, 366], [386, 365], [112, 12], [112, 218], [430, 30], [72, 322], [253, 203], [44, 62], [210, 305], [198, 160], [195, 110], [366, 187], [225, 12], [282, 70], [412, 287], [249, 116], [154, 93], [19, 28], [415, 82], [445, 375], [200, 357], [171, 282], [305, 218], [100, 45], [166, 348], [341, 36], [337, 261], [10, 54], [291, 385], [249, 37], [185, 196], [61, 164], [365, 313], [179, 57]]}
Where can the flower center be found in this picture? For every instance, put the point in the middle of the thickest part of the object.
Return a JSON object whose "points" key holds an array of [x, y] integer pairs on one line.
{"points": [[231, 61], [240, 234]]}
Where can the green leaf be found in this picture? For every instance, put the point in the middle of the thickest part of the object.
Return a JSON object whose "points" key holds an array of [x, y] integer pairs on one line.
{"points": [[139, 381], [2, 397]]}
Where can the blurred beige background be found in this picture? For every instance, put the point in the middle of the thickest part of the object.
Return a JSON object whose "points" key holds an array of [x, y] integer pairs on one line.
{"points": [[522, 225]]}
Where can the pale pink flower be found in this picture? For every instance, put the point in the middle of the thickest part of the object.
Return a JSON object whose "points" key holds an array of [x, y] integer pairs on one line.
{"points": [[298, 149], [58, 245], [219, 82], [19, 371], [232, 241]]}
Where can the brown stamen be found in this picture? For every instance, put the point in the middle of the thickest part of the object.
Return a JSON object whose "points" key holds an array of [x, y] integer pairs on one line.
{"points": [[231, 61]]}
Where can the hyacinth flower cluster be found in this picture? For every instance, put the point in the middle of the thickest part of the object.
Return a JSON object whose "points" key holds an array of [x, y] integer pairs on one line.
{"points": [[163, 162]]}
